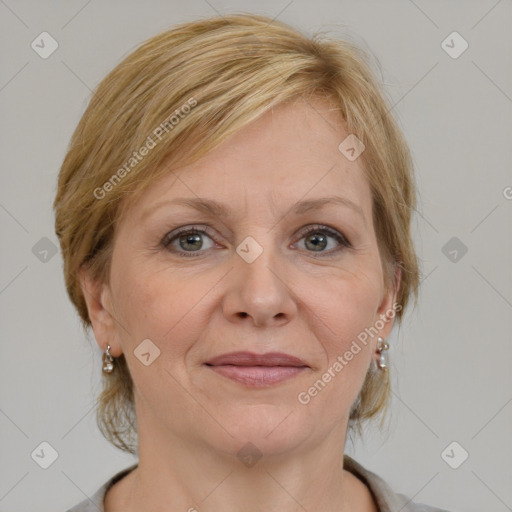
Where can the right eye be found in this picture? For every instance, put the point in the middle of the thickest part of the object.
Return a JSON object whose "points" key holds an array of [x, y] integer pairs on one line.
{"points": [[187, 240]]}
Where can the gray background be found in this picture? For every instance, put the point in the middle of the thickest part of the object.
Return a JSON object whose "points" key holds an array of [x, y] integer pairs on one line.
{"points": [[451, 359]]}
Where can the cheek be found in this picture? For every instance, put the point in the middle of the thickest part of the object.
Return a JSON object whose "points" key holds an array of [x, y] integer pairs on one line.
{"points": [[344, 305], [343, 310], [159, 305]]}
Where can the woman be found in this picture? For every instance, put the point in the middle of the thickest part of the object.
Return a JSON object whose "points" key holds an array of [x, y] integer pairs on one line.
{"points": [[234, 217]]}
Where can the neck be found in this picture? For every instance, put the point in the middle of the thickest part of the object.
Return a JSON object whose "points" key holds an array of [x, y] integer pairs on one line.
{"points": [[177, 473]]}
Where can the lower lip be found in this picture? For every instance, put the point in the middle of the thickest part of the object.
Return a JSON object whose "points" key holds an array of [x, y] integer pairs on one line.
{"points": [[258, 376]]}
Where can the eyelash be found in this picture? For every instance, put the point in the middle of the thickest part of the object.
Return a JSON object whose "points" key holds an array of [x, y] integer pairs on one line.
{"points": [[317, 228]]}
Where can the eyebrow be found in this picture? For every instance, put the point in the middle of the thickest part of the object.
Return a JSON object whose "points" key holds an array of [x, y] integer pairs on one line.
{"points": [[216, 209]]}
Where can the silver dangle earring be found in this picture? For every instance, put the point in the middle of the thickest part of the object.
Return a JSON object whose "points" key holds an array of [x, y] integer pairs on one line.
{"points": [[108, 361], [382, 346]]}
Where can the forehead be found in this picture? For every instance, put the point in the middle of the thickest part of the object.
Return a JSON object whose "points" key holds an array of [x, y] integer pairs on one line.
{"points": [[288, 154]]}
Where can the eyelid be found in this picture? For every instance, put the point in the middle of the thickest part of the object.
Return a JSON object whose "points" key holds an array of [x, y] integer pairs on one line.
{"points": [[199, 228]]}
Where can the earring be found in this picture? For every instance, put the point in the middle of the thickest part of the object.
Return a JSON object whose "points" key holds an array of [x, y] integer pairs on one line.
{"points": [[382, 345], [108, 361]]}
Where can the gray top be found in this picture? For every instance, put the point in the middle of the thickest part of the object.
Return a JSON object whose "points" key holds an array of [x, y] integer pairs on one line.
{"points": [[387, 500]]}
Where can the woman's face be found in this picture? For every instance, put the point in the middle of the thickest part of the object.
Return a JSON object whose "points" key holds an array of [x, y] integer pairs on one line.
{"points": [[286, 262]]}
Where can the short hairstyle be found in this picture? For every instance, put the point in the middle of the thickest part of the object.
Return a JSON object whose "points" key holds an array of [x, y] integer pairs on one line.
{"points": [[182, 93]]}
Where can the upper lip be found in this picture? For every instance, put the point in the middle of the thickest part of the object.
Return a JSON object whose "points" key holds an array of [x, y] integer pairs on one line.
{"points": [[252, 359]]}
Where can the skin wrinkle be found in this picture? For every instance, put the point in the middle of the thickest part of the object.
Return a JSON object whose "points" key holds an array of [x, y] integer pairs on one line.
{"points": [[295, 303]]}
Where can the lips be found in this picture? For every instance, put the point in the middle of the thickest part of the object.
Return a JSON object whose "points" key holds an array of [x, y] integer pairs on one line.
{"points": [[251, 359], [257, 370]]}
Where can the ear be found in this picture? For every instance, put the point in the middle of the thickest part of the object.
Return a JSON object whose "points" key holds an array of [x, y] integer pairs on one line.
{"points": [[388, 307], [98, 298]]}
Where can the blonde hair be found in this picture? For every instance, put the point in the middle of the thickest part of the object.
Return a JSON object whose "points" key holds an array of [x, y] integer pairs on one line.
{"points": [[179, 95]]}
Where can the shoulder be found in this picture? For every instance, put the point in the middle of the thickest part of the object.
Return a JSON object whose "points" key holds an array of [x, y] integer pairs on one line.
{"points": [[94, 503], [387, 500]]}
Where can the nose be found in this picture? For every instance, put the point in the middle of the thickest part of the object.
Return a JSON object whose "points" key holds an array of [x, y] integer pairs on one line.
{"points": [[259, 292]]}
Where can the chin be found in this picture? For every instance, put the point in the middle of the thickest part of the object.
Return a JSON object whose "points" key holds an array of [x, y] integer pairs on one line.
{"points": [[270, 430]]}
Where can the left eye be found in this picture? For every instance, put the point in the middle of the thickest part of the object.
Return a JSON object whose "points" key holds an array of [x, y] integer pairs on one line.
{"points": [[318, 239]]}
